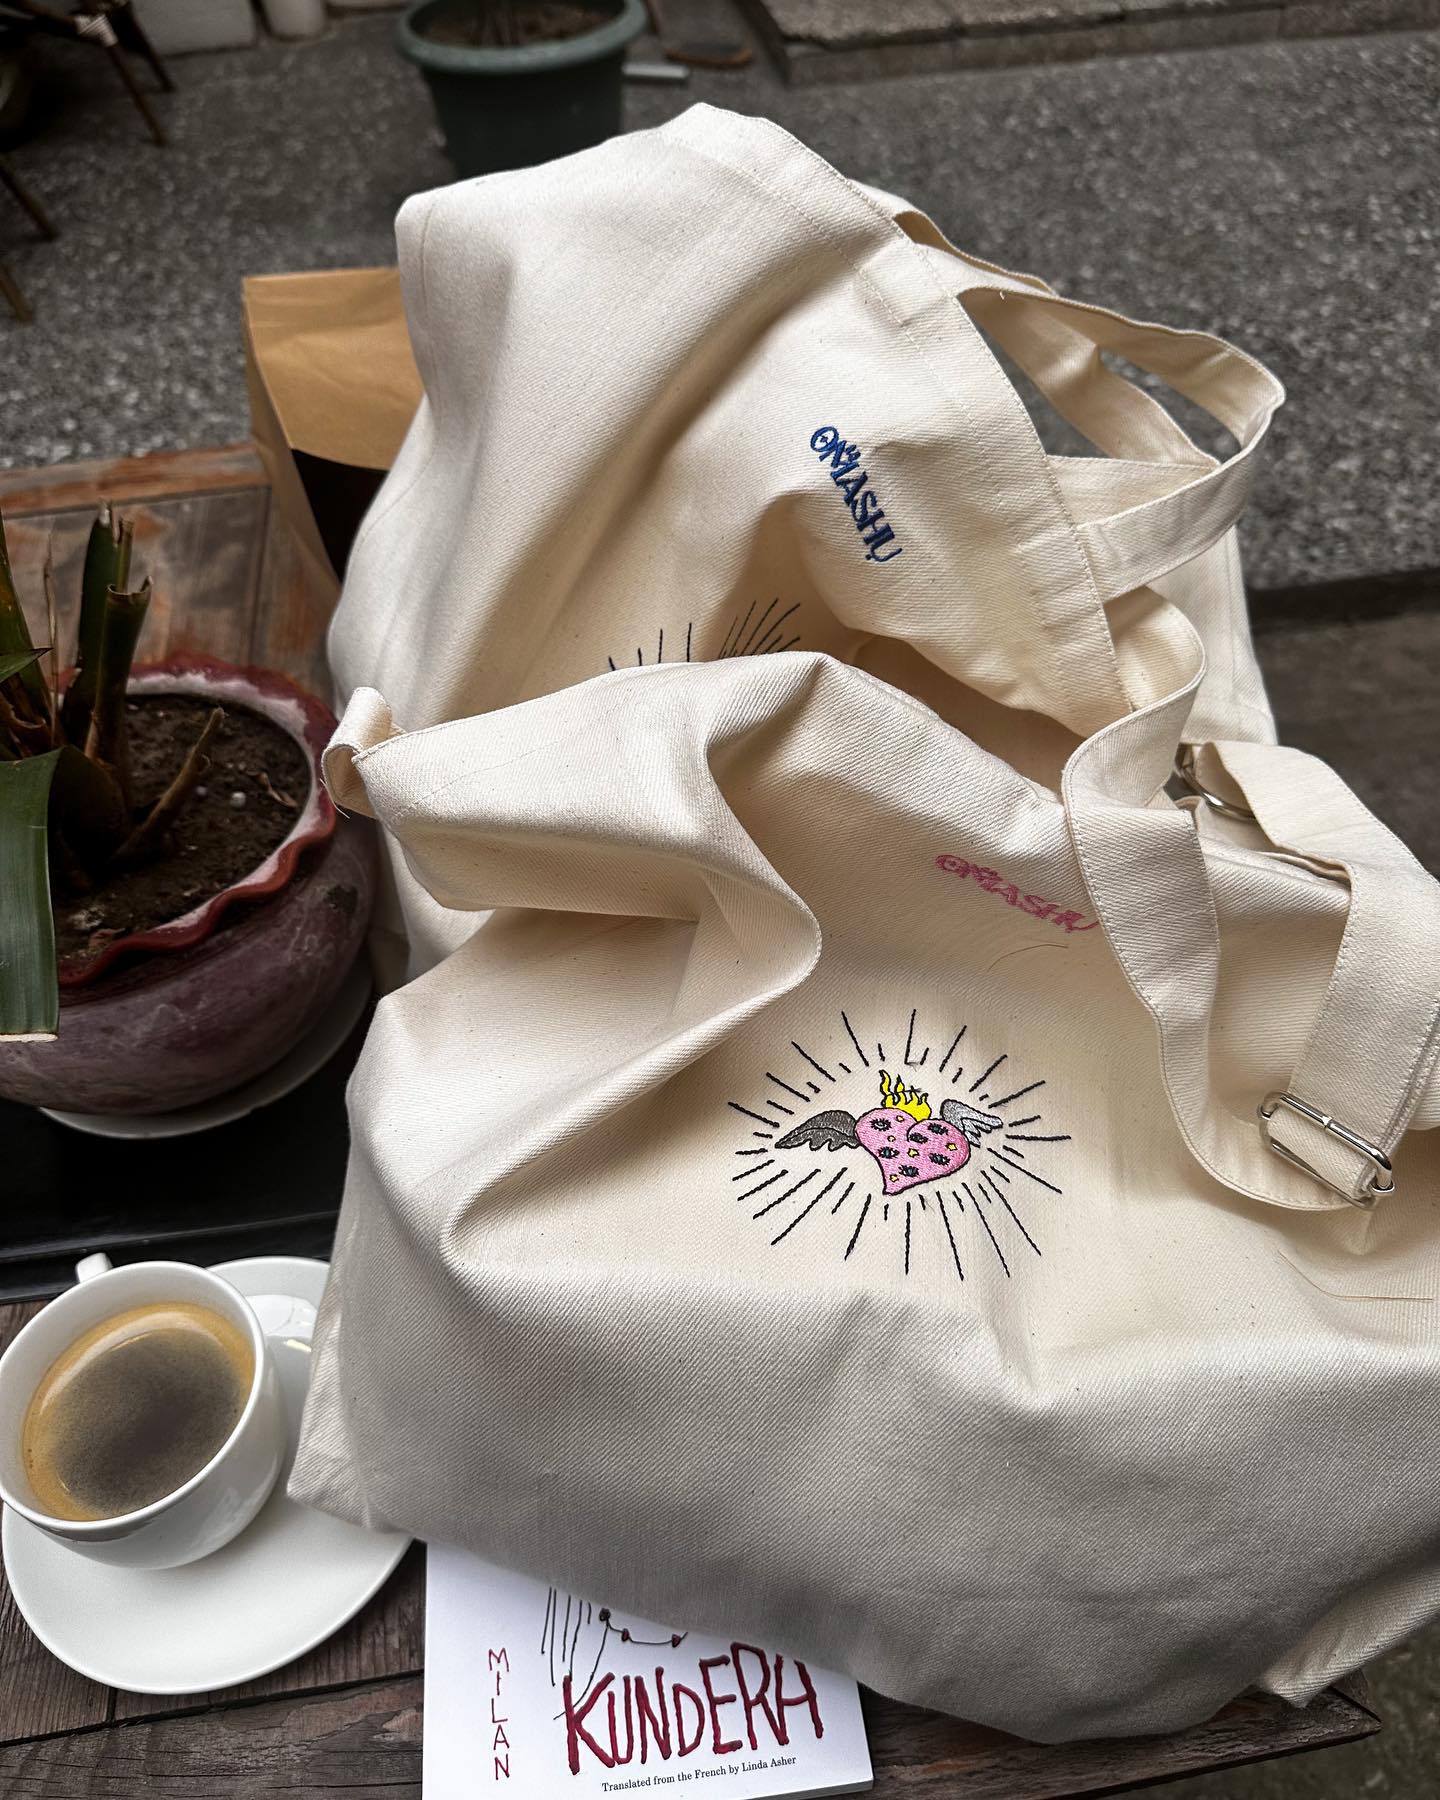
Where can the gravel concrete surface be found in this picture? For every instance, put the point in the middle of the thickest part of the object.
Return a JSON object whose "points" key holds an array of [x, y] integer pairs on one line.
{"points": [[1281, 194]]}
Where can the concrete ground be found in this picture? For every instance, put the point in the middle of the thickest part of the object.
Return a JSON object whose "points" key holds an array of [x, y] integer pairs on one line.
{"points": [[1400, 1763], [1282, 194]]}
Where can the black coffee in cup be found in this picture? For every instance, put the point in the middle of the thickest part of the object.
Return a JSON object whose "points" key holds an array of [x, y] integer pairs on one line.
{"points": [[133, 1408]]}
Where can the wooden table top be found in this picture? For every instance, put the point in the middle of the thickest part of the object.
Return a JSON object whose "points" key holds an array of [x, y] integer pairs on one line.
{"points": [[347, 1717]]}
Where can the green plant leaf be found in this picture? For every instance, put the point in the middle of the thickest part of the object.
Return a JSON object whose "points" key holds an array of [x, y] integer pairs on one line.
{"points": [[87, 808], [107, 739], [16, 660], [15, 639], [107, 565], [29, 994]]}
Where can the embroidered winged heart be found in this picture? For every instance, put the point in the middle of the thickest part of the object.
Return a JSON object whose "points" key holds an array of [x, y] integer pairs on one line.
{"points": [[907, 1142]]}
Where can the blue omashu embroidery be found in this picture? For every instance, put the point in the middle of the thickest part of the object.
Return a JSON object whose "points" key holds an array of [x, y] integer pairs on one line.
{"points": [[843, 458]]}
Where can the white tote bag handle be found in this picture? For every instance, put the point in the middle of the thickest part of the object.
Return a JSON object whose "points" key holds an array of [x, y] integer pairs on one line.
{"points": [[1155, 499], [1325, 1138]]}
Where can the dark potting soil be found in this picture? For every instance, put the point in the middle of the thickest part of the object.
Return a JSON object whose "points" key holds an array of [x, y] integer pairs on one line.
{"points": [[499, 26], [247, 804]]}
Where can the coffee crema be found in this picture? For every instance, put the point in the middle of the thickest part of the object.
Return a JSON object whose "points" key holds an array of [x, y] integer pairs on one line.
{"points": [[133, 1408]]}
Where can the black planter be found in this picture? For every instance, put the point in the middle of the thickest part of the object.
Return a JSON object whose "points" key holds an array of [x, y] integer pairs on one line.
{"points": [[508, 109]]}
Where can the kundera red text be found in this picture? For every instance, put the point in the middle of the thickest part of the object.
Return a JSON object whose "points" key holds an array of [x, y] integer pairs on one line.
{"points": [[745, 1697]]}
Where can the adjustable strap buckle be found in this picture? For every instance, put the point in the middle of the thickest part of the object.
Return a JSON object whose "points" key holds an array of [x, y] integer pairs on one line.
{"points": [[1382, 1179]]}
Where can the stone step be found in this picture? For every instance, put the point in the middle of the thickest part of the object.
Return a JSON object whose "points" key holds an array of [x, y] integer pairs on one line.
{"points": [[1361, 695], [834, 40]]}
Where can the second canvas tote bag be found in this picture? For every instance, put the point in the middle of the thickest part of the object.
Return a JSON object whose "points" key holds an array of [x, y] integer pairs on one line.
{"points": [[694, 395]]}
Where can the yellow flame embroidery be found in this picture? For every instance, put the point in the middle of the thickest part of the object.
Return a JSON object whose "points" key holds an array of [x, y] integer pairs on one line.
{"points": [[909, 1100]]}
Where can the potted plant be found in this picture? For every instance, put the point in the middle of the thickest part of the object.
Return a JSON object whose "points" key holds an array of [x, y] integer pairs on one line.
{"points": [[179, 900], [516, 82]]}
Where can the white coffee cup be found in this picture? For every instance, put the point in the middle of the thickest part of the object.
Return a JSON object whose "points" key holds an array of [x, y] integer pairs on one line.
{"points": [[219, 1500]]}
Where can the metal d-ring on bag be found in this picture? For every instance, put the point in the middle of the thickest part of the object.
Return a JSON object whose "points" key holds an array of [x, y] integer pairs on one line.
{"points": [[854, 1163]]}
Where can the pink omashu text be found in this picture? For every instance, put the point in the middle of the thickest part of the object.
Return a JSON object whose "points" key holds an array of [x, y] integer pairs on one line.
{"points": [[995, 883]]}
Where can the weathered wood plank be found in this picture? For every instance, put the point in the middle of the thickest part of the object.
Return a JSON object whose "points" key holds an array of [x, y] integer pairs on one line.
{"points": [[206, 556], [201, 551], [1356, 1688], [924, 1756], [129, 479], [322, 1745], [292, 610], [38, 1694], [385, 1639], [370, 1737], [229, 580]]}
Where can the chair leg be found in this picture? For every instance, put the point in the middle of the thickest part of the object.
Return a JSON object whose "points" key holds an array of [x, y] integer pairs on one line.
{"points": [[133, 36], [44, 224], [10, 289], [126, 74], [97, 28]]}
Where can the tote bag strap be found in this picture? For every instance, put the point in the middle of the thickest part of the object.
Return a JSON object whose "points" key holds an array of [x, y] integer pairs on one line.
{"points": [[1372, 1051], [1111, 412], [1324, 1137], [1155, 499]]}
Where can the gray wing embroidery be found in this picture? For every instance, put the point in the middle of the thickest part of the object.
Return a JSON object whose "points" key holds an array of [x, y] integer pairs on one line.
{"points": [[833, 1130], [974, 1124]]}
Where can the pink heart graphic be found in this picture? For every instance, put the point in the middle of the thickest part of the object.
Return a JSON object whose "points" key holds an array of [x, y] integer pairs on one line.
{"points": [[908, 1150]]}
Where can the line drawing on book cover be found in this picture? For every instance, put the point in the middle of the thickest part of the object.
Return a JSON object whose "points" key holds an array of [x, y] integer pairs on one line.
{"points": [[567, 1639], [940, 1166]]}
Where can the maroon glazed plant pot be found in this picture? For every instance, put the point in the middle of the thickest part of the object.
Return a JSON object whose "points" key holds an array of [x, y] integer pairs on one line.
{"points": [[159, 1020]]}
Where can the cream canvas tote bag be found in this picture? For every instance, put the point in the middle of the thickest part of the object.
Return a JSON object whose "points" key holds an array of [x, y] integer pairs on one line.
{"points": [[694, 395], [828, 1199]]}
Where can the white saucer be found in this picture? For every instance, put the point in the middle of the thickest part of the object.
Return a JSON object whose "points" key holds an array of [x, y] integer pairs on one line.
{"points": [[298, 1064], [288, 1581]]}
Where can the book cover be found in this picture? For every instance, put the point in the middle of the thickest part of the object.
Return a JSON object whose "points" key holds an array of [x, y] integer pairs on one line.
{"points": [[535, 1693]]}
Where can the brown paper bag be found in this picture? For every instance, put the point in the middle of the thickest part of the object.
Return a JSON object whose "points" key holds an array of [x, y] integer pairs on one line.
{"points": [[333, 387]]}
